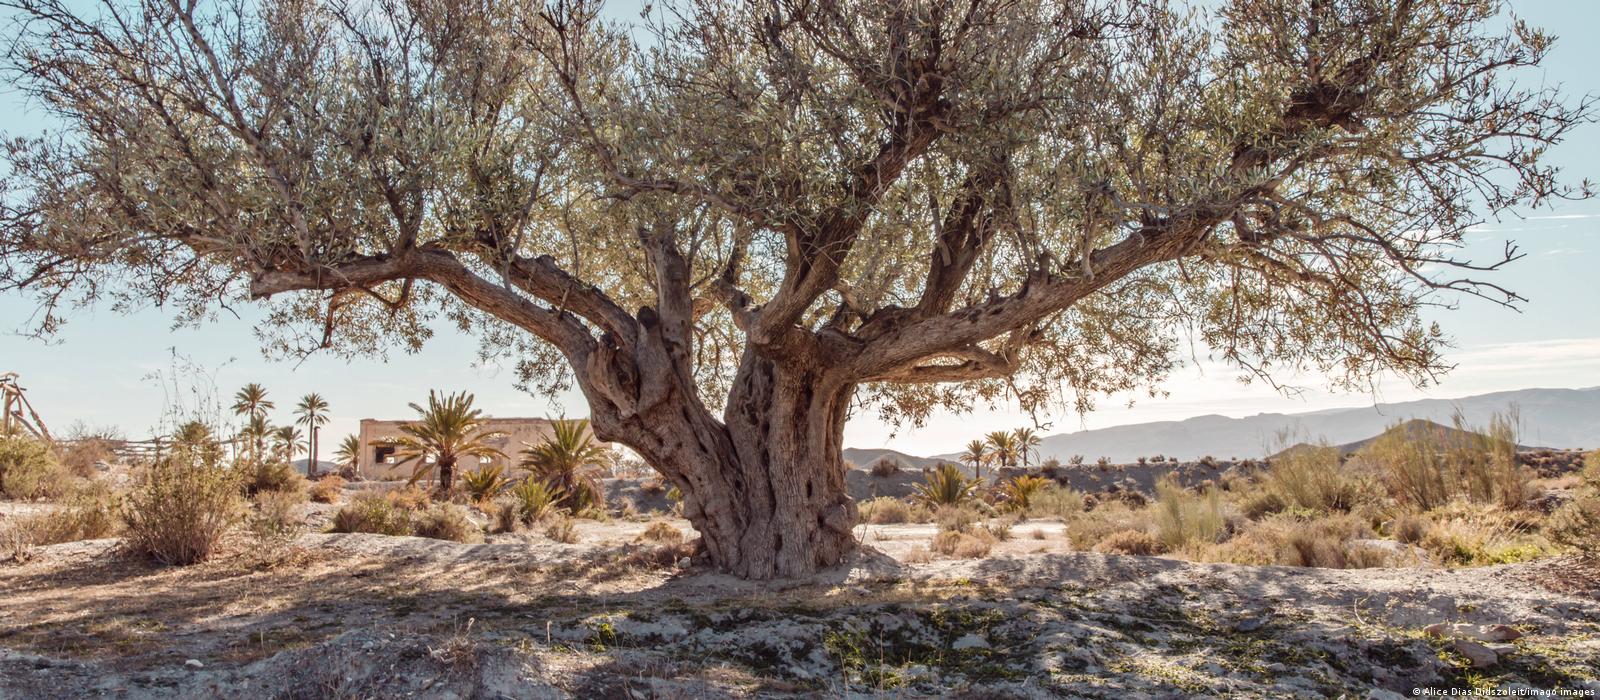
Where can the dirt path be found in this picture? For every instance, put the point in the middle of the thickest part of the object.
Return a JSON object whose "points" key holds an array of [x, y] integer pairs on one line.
{"points": [[374, 616]]}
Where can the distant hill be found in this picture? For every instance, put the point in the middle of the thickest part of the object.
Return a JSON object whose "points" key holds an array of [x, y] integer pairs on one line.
{"points": [[323, 466], [1414, 428], [1417, 427], [864, 458], [1560, 418]]}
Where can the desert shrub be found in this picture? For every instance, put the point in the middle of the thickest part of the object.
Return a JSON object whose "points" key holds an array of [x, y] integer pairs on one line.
{"points": [[373, 513], [81, 456], [327, 489], [661, 532], [535, 500], [182, 508], [445, 521], [1054, 501], [1301, 537], [660, 556], [957, 518], [1311, 478], [1018, 493], [1302, 548], [885, 510], [1591, 469], [1424, 469], [1416, 474], [273, 475], [1410, 528], [1000, 528], [88, 514], [1087, 529], [276, 520], [1480, 542], [1260, 504], [628, 511], [1577, 525], [505, 515], [1136, 542], [485, 483], [16, 540], [410, 497], [1312, 547], [945, 485], [1246, 548], [562, 529], [1488, 464], [972, 544], [653, 486], [1183, 518], [29, 469], [886, 467]]}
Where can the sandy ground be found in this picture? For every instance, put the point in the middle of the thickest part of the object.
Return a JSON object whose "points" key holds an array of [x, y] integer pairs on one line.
{"points": [[607, 617]]}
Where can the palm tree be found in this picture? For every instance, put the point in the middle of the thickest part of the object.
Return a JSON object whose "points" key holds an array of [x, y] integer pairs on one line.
{"points": [[349, 453], [1027, 443], [251, 402], [198, 438], [568, 460], [255, 431], [1004, 447], [290, 442], [977, 453], [444, 432], [312, 412], [193, 434]]}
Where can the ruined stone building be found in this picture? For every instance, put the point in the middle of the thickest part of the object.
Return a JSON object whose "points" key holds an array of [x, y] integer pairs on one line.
{"points": [[378, 460]]}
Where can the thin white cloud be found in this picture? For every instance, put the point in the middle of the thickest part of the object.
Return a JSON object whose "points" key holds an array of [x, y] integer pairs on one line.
{"points": [[1562, 217]]}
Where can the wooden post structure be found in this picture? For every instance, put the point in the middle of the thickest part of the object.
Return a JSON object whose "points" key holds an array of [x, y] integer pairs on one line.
{"points": [[14, 402]]}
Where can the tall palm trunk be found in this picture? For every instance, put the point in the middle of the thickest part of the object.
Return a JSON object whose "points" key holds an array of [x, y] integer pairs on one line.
{"points": [[447, 474]]}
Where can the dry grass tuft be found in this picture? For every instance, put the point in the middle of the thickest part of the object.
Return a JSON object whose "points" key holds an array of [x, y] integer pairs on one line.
{"points": [[372, 513], [88, 514], [273, 476], [973, 544], [276, 523], [887, 510], [1136, 542], [886, 467], [458, 651], [562, 529], [327, 489], [1577, 525], [1183, 518], [1055, 502], [1411, 528], [446, 521], [1310, 478], [412, 497], [661, 532]]}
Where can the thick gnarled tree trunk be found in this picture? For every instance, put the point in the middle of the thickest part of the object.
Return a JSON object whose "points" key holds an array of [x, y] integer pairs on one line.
{"points": [[764, 486]]}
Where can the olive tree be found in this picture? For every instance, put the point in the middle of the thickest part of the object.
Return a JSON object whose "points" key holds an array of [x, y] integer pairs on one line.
{"points": [[731, 224]]}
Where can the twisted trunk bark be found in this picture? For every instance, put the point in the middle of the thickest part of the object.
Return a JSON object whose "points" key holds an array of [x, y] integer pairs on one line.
{"points": [[765, 486], [447, 474]]}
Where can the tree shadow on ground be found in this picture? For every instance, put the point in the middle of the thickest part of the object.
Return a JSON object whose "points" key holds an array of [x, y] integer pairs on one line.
{"points": [[1083, 622]]}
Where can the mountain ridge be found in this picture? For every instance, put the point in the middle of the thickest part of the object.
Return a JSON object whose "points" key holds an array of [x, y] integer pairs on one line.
{"points": [[1559, 418]]}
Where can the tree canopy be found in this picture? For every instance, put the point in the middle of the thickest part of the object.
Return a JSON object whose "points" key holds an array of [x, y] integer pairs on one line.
{"points": [[903, 205], [1286, 179]]}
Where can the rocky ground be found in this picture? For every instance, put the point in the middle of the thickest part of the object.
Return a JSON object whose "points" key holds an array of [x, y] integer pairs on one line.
{"points": [[608, 617]]}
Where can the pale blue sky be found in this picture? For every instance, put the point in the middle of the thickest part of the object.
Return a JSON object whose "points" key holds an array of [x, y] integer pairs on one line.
{"points": [[95, 370]]}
